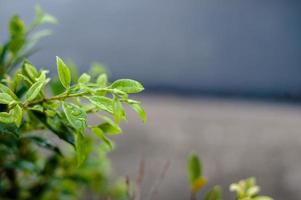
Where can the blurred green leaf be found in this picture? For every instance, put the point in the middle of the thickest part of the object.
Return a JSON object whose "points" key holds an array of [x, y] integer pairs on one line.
{"points": [[194, 168], [102, 136], [138, 108], [214, 194]]}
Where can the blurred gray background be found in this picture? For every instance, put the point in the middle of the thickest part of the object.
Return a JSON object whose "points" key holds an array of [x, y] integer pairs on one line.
{"points": [[247, 48]]}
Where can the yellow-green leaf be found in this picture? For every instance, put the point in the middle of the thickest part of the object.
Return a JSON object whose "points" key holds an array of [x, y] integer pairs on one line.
{"points": [[139, 109], [5, 98], [99, 133], [35, 90], [127, 86], [7, 90], [63, 72]]}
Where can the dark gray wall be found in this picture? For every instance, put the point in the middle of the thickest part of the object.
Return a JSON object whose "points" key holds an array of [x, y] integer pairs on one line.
{"points": [[250, 46]]}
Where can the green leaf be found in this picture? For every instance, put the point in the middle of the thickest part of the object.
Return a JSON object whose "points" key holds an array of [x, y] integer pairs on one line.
{"points": [[96, 69], [29, 71], [56, 86], [7, 90], [81, 148], [214, 194], [16, 26], [43, 18], [139, 109], [63, 72], [103, 137], [17, 31], [9, 128], [194, 168], [110, 127], [37, 108], [6, 118], [127, 86], [102, 80], [84, 78], [76, 116], [5, 98], [17, 114], [35, 90], [104, 103], [118, 110]]}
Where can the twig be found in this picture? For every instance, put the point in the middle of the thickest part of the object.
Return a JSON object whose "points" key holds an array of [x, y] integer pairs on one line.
{"points": [[139, 180], [154, 189]]}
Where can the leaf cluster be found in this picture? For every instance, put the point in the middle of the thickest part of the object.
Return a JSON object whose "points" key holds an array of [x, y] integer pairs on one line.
{"points": [[245, 189], [36, 109]]}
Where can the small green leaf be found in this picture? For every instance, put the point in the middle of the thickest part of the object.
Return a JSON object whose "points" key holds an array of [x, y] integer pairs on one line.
{"points": [[29, 71], [63, 72], [102, 80], [17, 31], [104, 103], [96, 69], [118, 110], [43, 18], [7, 90], [6, 118], [139, 109], [37, 108], [102, 136], [110, 127], [194, 168], [127, 86], [17, 114], [214, 194], [5, 98], [81, 148], [84, 78], [76, 116], [35, 90], [16, 26]]}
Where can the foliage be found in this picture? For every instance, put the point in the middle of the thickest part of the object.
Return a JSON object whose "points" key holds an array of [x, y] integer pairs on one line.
{"points": [[245, 189], [32, 163]]}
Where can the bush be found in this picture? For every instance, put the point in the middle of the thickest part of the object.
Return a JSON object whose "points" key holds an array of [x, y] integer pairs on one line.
{"points": [[28, 110]]}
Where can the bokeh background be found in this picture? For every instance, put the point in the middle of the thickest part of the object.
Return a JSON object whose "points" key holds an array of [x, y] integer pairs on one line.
{"points": [[222, 79]]}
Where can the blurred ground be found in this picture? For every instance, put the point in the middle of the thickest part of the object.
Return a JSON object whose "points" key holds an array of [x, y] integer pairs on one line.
{"points": [[235, 139]]}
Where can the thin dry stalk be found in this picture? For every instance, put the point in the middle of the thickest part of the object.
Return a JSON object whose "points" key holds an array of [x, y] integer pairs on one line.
{"points": [[154, 190]]}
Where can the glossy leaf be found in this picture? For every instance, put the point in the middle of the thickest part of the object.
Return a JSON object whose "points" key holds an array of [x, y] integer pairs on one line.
{"points": [[102, 102], [127, 86], [17, 114], [5, 98], [75, 115], [6, 118], [35, 90], [63, 72], [5, 89]]}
